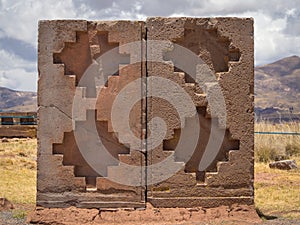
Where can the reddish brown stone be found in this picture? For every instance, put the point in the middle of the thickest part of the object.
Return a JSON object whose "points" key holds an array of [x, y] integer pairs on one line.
{"points": [[237, 214], [68, 50]]}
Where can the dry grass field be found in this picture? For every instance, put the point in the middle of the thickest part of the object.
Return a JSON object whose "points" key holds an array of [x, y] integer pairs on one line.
{"points": [[18, 174], [277, 192], [270, 147]]}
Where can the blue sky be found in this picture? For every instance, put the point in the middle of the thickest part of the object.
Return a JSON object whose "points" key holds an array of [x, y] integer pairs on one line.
{"points": [[277, 26]]}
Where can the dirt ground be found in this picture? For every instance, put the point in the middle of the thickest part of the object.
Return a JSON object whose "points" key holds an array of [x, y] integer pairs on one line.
{"points": [[237, 214], [15, 216], [196, 216], [150, 215]]}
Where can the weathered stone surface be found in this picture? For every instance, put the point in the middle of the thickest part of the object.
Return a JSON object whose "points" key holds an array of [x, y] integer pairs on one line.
{"points": [[71, 101], [199, 73], [225, 46], [284, 165], [236, 214]]}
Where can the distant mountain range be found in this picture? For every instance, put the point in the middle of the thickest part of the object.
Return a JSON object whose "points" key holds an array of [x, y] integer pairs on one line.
{"points": [[277, 90], [277, 86], [17, 101]]}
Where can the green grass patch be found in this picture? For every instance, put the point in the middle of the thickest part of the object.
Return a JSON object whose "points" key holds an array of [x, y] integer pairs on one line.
{"points": [[19, 214]]}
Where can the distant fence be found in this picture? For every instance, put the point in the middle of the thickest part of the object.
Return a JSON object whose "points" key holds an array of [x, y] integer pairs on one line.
{"points": [[277, 117], [281, 133], [18, 124]]}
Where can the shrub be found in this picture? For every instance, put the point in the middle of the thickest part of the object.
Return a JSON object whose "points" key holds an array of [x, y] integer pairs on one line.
{"points": [[292, 150], [266, 154]]}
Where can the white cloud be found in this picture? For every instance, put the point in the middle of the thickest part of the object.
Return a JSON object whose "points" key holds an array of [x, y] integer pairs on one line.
{"points": [[108, 10], [276, 23], [19, 19], [17, 73], [277, 27], [293, 25], [11, 61], [271, 41], [18, 79]]}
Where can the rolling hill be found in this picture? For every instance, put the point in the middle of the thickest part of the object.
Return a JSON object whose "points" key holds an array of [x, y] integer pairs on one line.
{"points": [[277, 85], [17, 101]]}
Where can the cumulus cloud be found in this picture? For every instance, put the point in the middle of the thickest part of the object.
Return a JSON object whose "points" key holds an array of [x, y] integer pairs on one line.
{"points": [[108, 10], [11, 61], [17, 73], [19, 19], [19, 48], [18, 79], [277, 26], [18, 38], [293, 22], [272, 42]]}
